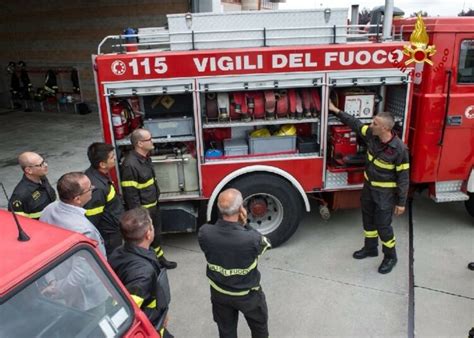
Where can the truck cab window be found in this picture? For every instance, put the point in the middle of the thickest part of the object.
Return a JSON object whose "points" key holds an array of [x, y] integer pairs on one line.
{"points": [[73, 299], [466, 62]]}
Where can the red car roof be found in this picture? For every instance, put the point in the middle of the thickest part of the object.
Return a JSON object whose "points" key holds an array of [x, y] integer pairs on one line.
{"points": [[20, 260]]}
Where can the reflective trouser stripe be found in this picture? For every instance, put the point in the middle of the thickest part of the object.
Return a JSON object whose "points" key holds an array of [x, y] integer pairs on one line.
{"points": [[390, 244], [380, 184], [138, 300], [31, 215], [152, 305], [232, 272], [403, 166], [151, 205], [159, 251], [371, 234], [231, 293], [162, 332], [95, 211], [135, 184], [111, 194]]}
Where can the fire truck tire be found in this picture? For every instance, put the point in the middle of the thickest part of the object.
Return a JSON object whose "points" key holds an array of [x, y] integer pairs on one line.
{"points": [[470, 204], [273, 205]]}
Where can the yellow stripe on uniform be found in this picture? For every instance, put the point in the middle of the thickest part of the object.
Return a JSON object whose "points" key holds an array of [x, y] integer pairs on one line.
{"points": [[371, 234], [159, 252], [232, 272], [151, 205], [380, 163], [231, 293], [152, 305], [136, 185], [390, 243], [31, 215], [111, 194], [364, 129], [267, 245], [138, 300], [95, 211], [380, 184], [403, 166]]}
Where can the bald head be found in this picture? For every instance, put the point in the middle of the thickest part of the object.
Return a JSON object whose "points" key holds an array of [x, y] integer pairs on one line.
{"points": [[229, 202], [387, 120], [29, 158], [139, 135]]}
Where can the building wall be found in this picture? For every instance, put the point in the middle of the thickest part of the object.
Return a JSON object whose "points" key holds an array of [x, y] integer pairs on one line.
{"points": [[58, 33]]}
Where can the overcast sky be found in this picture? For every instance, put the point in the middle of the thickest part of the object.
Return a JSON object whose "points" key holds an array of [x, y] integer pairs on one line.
{"points": [[433, 7]]}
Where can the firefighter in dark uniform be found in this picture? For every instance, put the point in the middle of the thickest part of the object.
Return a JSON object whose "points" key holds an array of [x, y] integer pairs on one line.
{"points": [[385, 186], [136, 264], [33, 193], [232, 249], [140, 187], [105, 207]]}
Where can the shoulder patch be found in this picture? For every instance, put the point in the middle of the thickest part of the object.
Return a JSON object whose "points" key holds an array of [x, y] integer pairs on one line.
{"points": [[17, 203]]}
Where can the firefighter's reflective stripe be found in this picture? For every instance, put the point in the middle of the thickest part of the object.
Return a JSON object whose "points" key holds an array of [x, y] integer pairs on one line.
{"points": [[390, 243], [232, 272], [371, 234], [380, 163], [231, 293], [162, 331], [138, 300], [403, 166], [152, 305], [111, 194], [29, 215], [380, 184], [363, 130], [95, 211], [159, 252], [136, 185], [267, 245], [151, 205]]}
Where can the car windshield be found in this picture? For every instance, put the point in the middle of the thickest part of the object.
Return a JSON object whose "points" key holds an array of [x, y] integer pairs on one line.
{"points": [[73, 299]]}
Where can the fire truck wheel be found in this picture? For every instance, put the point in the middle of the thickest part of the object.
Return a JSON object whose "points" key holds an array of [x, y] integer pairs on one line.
{"points": [[273, 205], [470, 204]]}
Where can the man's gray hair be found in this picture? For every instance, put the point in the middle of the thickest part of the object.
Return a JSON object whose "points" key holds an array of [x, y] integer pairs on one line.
{"points": [[233, 207], [388, 119], [137, 136]]}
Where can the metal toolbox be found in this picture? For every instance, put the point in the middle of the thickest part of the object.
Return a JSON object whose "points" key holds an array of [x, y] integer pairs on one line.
{"points": [[176, 126], [235, 147], [176, 173], [272, 144]]}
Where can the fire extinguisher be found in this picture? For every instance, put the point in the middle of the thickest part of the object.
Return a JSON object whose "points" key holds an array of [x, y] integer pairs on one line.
{"points": [[119, 120]]}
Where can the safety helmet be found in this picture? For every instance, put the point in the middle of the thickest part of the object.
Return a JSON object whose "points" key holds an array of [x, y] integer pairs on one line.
{"points": [[286, 130], [263, 132]]}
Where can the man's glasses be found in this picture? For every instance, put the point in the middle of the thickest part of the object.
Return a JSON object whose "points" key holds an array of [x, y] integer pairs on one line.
{"points": [[147, 140], [91, 188], [41, 165]]}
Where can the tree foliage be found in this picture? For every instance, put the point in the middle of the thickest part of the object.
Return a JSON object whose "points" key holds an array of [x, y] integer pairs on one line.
{"points": [[364, 16], [423, 14], [469, 12]]}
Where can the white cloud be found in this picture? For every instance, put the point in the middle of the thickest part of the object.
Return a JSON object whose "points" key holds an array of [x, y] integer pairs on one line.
{"points": [[433, 7]]}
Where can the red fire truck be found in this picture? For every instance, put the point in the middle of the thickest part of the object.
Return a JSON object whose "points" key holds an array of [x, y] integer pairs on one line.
{"points": [[36, 300], [240, 100]]}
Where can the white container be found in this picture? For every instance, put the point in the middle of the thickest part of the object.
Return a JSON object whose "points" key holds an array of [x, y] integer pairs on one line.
{"points": [[235, 147], [169, 127], [272, 144]]}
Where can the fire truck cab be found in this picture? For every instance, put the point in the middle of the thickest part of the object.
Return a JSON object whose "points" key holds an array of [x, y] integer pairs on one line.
{"points": [[57, 284], [239, 107]]}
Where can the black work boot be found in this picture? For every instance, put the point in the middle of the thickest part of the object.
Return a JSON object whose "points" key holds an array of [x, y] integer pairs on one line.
{"points": [[364, 252], [387, 264], [166, 263], [470, 266]]}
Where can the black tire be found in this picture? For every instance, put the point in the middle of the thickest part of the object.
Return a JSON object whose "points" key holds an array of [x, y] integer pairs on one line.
{"points": [[284, 203], [470, 204]]}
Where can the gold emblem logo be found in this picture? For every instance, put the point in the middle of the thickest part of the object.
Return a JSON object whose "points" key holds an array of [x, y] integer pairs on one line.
{"points": [[419, 51]]}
